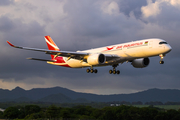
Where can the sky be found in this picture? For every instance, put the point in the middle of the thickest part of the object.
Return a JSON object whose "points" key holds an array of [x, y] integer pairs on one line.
{"points": [[85, 24]]}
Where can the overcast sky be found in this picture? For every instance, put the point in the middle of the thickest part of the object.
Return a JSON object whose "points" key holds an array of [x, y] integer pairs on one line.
{"points": [[85, 24]]}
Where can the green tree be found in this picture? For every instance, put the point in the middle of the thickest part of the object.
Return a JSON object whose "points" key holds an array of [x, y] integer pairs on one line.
{"points": [[171, 114], [83, 110], [35, 115], [96, 114], [11, 113], [1, 115], [148, 113], [29, 109], [134, 113], [161, 116], [66, 113], [108, 113], [52, 112], [177, 117], [22, 112]]}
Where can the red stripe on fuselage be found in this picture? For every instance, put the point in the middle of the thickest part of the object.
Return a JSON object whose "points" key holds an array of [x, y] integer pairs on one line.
{"points": [[65, 65], [59, 60]]}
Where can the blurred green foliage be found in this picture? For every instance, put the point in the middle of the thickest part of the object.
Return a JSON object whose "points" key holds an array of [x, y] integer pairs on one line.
{"points": [[122, 112]]}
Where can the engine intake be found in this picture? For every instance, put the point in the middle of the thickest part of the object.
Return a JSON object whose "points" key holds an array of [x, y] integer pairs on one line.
{"points": [[140, 63], [96, 59]]}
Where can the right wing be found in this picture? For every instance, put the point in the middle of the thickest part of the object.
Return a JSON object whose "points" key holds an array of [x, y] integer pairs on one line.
{"points": [[41, 59]]}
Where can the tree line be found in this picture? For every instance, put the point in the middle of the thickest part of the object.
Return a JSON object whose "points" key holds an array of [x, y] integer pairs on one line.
{"points": [[122, 112], [5, 105], [146, 103]]}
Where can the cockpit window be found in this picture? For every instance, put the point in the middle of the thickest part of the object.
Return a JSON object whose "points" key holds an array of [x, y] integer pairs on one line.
{"points": [[162, 43]]}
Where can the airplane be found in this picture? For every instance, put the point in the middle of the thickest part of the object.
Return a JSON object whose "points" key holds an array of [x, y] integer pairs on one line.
{"points": [[136, 52]]}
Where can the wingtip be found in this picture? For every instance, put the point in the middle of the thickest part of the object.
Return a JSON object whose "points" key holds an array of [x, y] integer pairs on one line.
{"points": [[10, 44]]}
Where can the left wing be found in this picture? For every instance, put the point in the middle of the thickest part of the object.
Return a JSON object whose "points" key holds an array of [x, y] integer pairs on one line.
{"points": [[75, 55]]}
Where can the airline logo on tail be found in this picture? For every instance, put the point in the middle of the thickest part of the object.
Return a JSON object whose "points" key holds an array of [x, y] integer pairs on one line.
{"points": [[50, 43]]}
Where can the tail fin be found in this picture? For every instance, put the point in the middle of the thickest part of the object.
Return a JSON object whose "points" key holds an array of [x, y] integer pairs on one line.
{"points": [[51, 45]]}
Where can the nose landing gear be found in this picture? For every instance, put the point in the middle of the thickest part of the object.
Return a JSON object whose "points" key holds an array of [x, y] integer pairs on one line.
{"points": [[161, 61]]}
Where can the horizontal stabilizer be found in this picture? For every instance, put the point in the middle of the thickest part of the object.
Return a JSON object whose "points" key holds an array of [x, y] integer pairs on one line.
{"points": [[41, 59]]}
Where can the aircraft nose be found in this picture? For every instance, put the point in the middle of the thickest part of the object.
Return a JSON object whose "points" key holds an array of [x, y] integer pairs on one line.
{"points": [[168, 48]]}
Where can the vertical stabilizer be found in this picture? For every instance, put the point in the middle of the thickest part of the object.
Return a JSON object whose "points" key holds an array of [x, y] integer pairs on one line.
{"points": [[51, 45]]}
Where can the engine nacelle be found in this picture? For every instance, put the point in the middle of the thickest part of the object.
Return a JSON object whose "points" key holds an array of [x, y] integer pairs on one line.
{"points": [[96, 59], [140, 63]]}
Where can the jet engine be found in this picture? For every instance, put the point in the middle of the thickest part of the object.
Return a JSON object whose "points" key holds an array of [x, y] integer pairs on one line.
{"points": [[140, 63], [96, 59]]}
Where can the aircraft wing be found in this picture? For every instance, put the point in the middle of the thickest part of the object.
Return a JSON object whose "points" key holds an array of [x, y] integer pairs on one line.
{"points": [[75, 55], [41, 59], [53, 52]]}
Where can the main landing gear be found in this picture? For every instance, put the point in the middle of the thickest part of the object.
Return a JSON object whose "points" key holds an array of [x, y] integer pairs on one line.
{"points": [[161, 61], [92, 70], [114, 70]]}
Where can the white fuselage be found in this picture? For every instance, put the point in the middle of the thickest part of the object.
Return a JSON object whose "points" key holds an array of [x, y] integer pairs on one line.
{"points": [[126, 51]]}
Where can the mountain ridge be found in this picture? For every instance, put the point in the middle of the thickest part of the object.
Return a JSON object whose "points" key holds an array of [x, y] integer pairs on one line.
{"points": [[64, 95]]}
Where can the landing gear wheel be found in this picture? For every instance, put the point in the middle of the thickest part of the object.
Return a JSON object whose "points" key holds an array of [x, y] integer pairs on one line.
{"points": [[110, 71], [161, 62], [95, 71], [91, 70], [118, 72], [114, 71], [88, 70]]}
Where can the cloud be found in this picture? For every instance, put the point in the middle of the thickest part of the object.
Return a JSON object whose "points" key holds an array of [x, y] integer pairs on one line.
{"points": [[111, 8], [6, 2], [174, 2], [129, 7], [152, 9], [165, 25]]}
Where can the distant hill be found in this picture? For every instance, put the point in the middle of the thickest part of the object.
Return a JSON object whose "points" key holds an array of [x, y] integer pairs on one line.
{"points": [[56, 98], [63, 95]]}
